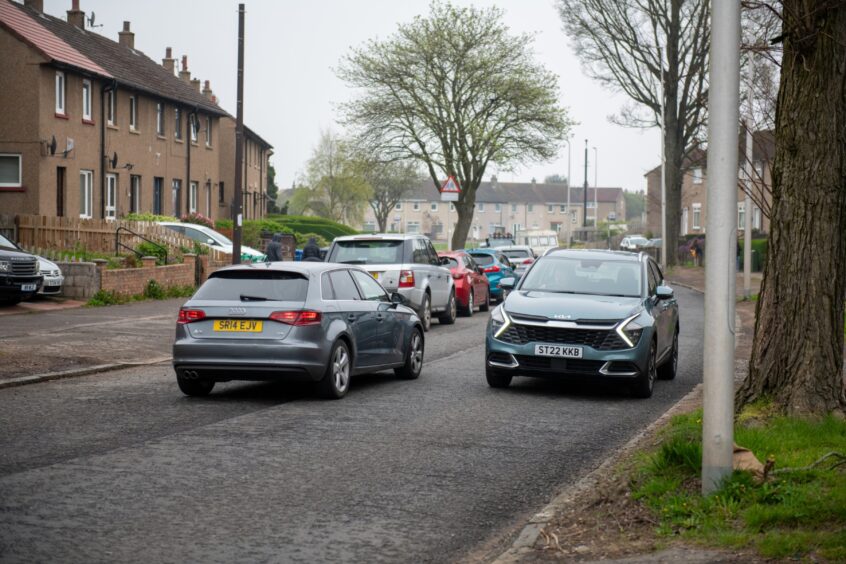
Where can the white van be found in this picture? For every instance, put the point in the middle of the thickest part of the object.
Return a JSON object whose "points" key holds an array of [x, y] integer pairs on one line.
{"points": [[540, 240]]}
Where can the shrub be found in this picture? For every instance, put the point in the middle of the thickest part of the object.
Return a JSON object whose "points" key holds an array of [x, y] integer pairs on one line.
{"points": [[198, 219], [150, 250], [303, 238], [149, 217], [154, 291], [107, 298]]}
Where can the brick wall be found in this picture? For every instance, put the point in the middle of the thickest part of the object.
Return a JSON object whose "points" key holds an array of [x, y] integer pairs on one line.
{"points": [[130, 281], [82, 279]]}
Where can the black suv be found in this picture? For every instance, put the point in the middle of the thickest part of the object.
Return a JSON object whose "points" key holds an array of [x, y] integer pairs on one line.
{"points": [[19, 278]]}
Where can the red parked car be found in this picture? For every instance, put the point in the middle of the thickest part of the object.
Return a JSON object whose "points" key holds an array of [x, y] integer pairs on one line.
{"points": [[471, 285]]}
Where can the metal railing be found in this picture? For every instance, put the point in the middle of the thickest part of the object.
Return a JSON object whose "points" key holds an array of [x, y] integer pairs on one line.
{"points": [[139, 254]]}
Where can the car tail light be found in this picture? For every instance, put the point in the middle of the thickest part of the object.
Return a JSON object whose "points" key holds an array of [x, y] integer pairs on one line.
{"points": [[298, 318], [528, 261], [406, 279], [190, 315], [457, 275], [493, 268]]}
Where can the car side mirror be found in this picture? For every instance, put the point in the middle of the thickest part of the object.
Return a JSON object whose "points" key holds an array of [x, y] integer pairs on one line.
{"points": [[664, 293], [398, 299], [443, 261], [507, 283], [211, 241]]}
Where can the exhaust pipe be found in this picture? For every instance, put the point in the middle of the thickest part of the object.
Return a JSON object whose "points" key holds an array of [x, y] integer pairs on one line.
{"points": [[190, 374]]}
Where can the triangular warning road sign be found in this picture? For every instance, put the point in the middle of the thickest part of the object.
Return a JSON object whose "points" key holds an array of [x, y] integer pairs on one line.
{"points": [[451, 185]]}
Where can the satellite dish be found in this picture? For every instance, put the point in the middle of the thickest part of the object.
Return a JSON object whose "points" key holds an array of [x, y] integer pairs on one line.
{"points": [[113, 161], [53, 145], [91, 21]]}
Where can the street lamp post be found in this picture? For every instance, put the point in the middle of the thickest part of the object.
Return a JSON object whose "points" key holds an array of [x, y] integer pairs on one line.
{"points": [[567, 217], [595, 187], [584, 195]]}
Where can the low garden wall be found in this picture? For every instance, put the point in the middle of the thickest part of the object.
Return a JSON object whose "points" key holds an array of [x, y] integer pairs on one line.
{"points": [[132, 281], [82, 279]]}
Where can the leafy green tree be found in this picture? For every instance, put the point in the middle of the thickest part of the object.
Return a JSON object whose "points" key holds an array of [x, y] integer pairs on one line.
{"points": [[272, 190], [456, 91], [391, 181], [556, 179], [635, 204]]}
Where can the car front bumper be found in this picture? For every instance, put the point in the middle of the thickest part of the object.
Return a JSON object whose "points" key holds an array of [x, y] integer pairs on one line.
{"points": [[52, 285], [11, 285]]}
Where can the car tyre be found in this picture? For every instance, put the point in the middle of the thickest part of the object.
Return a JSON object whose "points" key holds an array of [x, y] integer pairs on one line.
{"points": [[11, 301], [497, 379], [414, 359], [426, 312], [194, 387], [667, 371], [645, 382], [336, 380], [486, 305], [448, 317], [471, 305]]}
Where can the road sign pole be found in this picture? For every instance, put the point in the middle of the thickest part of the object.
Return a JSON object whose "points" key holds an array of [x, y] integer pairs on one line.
{"points": [[718, 373]]}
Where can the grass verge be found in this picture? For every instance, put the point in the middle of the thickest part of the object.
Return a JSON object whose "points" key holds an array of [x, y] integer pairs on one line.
{"points": [[795, 514]]}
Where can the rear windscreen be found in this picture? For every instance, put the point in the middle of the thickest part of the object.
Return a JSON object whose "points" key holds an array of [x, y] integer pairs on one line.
{"points": [[254, 285], [517, 254], [367, 252], [483, 260], [452, 262]]}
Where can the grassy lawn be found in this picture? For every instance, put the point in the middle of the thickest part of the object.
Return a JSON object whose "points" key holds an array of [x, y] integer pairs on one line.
{"points": [[796, 514]]}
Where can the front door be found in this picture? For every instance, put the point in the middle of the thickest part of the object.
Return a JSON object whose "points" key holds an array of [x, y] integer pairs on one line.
{"points": [[111, 196]]}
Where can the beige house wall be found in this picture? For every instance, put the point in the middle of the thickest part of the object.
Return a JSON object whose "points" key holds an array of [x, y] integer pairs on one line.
{"points": [[256, 159]]}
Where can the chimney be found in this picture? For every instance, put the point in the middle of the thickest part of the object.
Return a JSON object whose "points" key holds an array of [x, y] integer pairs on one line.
{"points": [[185, 74], [76, 17], [207, 91], [169, 62], [37, 5], [195, 83], [126, 37]]}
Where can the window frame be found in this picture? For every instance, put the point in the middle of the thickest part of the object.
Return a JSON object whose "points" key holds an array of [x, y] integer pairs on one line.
{"points": [[111, 108], [19, 183], [160, 119], [696, 220], [134, 193], [87, 105], [208, 131], [177, 123], [194, 128], [193, 189], [341, 272], [415, 206], [133, 113], [433, 206], [60, 92], [741, 216], [697, 174], [86, 193], [111, 196]]}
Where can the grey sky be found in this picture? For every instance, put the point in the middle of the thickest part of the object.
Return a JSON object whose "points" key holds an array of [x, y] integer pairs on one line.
{"points": [[291, 91]]}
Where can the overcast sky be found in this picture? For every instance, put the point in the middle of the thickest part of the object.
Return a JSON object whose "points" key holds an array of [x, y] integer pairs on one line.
{"points": [[291, 91]]}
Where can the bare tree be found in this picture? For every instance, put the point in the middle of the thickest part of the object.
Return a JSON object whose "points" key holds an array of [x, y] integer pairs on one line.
{"points": [[456, 91], [391, 182], [797, 354], [643, 48]]}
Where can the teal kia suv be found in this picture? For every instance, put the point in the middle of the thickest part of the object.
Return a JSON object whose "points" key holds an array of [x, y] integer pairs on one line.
{"points": [[601, 314]]}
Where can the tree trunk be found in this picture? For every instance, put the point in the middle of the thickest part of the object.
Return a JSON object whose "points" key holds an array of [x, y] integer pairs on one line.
{"points": [[797, 356], [465, 206], [674, 155]]}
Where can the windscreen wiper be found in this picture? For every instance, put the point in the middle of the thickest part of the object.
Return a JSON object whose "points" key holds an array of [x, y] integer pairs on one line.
{"points": [[357, 261], [254, 298]]}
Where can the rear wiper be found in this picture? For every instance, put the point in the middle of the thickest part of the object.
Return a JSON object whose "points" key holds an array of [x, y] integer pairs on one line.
{"points": [[253, 298], [354, 261]]}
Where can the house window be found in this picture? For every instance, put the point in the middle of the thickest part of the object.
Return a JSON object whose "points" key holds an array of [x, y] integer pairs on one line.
{"points": [[192, 197], [369, 226], [530, 208], [111, 196], [741, 215], [86, 100], [697, 216], [756, 218], [208, 131], [133, 113], [208, 198], [86, 185], [177, 123], [412, 227], [759, 169], [195, 127], [160, 126], [60, 93], [10, 171], [158, 188], [562, 208], [497, 208], [550, 208], [134, 193], [697, 175], [433, 206], [481, 206], [415, 206], [111, 109], [175, 191], [398, 206], [221, 193]]}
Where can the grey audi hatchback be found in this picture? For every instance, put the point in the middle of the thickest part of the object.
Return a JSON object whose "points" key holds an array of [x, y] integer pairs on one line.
{"points": [[308, 320]]}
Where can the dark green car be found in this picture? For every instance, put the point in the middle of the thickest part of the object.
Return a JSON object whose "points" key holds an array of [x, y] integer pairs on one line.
{"points": [[600, 314]]}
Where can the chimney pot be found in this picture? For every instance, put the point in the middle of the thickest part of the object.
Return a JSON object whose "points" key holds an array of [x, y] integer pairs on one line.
{"points": [[125, 26], [169, 53], [126, 37], [185, 62], [75, 5], [37, 5]]}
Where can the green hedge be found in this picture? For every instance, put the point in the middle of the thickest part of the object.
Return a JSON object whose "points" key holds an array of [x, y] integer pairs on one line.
{"points": [[302, 224], [759, 255], [302, 227]]}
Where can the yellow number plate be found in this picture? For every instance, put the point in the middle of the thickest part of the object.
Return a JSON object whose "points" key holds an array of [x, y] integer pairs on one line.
{"points": [[238, 325], [375, 275]]}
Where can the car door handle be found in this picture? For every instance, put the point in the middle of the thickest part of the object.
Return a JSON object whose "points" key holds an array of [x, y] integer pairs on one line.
{"points": [[351, 317], [379, 317]]}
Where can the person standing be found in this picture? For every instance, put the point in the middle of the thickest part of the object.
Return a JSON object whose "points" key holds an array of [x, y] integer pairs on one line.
{"points": [[274, 248], [311, 251]]}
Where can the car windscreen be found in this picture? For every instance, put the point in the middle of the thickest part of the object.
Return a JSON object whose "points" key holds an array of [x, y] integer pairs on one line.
{"points": [[378, 251], [254, 285], [6, 244], [584, 276], [517, 254], [483, 259]]}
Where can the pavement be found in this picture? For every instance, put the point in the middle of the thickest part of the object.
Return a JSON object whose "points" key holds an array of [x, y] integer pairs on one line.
{"points": [[41, 304], [119, 466], [694, 277]]}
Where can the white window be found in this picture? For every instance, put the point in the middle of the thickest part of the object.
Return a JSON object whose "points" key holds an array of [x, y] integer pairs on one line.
{"points": [[134, 194], [133, 113], [433, 206], [10, 171], [550, 208], [697, 216], [208, 131], [195, 127], [562, 208], [111, 196], [110, 109], [60, 92], [697, 175], [368, 226], [573, 218], [86, 187], [415, 206], [412, 227], [756, 218], [497, 208], [513, 208], [160, 127], [741, 214], [481, 206], [86, 100], [759, 169], [398, 206], [192, 197], [177, 123]]}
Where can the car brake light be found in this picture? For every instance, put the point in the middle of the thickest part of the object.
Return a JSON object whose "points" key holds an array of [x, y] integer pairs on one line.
{"points": [[298, 318], [406, 279], [493, 268], [457, 275], [190, 315], [528, 261]]}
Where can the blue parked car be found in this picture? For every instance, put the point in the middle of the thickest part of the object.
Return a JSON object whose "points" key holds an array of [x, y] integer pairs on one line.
{"points": [[495, 266], [599, 314]]}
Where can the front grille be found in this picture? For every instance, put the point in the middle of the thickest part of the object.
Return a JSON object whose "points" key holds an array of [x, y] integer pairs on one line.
{"points": [[571, 365], [25, 267], [599, 339]]}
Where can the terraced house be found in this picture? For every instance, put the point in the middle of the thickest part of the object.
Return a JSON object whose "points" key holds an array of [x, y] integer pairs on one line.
{"points": [[100, 129]]}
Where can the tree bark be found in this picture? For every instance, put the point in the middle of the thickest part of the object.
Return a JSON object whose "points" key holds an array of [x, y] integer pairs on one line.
{"points": [[797, 356]]}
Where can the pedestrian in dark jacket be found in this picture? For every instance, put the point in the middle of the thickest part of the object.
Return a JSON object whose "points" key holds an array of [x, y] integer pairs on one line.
{"points": [[274, 248], [311, 251]]}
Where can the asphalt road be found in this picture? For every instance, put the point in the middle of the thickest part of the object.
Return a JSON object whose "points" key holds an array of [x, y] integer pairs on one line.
{"points": [[121, 467]]}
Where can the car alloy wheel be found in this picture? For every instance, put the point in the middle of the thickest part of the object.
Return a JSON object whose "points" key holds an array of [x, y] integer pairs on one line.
{"points": [[336, 380], [414, 359], [448, 317], [427, 313], [645, 383], [471, 305], [668, 370]]}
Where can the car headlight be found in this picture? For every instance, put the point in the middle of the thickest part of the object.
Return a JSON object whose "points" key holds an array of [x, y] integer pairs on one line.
{"points": [[5, 266], [630, 330], [499, 320]]}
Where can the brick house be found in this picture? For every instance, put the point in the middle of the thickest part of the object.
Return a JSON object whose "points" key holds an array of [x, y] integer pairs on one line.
{"points": [[694, 204], [100, 129], [257, 153], [502, 206]]}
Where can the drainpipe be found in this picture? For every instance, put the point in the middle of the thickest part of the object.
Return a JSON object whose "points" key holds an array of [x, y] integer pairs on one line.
{"points": [[111, 86]]}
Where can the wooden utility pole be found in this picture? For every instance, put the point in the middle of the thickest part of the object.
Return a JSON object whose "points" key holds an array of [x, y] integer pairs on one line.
{"points": [[237, 205]]}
